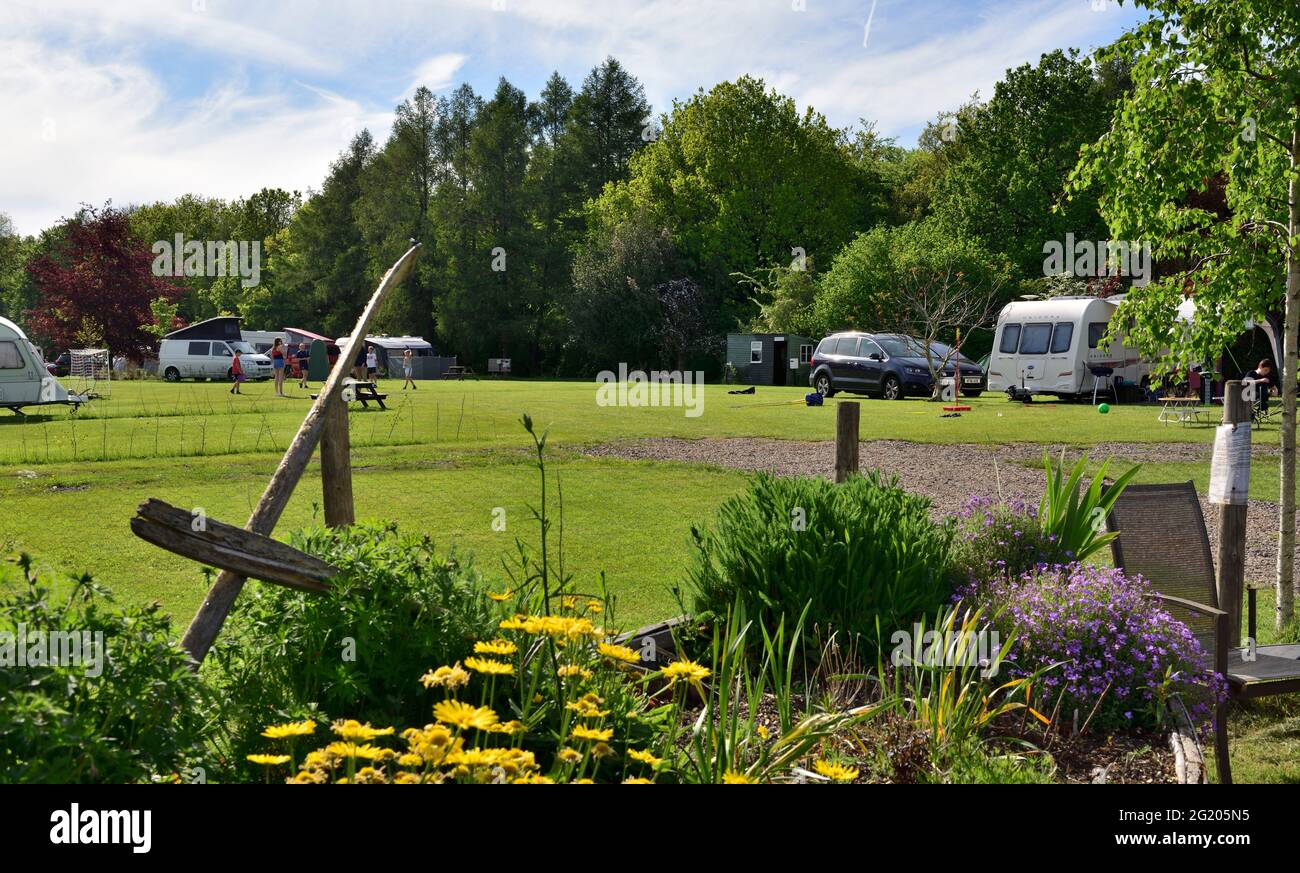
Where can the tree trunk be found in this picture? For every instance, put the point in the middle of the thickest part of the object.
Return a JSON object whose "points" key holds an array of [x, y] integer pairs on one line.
{"points": [[1286, 526]]}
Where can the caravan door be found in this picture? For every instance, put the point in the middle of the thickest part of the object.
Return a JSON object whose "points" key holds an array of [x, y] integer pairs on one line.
{"points": [[19, 380]]}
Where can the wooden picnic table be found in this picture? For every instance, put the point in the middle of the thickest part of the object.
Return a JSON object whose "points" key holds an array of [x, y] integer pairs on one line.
{"points": [[363, 392], [458, 372], [1180, 409]]}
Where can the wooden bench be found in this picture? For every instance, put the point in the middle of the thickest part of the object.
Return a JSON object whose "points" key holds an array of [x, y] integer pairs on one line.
{"points": [[363, 392]]}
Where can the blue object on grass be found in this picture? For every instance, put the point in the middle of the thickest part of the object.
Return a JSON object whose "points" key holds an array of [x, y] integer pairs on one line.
{"points": [[813, 399]]}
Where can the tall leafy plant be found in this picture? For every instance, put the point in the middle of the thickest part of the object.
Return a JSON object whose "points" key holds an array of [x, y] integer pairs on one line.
{"points": [[1077, 521]]}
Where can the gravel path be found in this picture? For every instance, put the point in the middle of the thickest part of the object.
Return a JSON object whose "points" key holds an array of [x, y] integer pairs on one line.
{"points": [[948, 474]]}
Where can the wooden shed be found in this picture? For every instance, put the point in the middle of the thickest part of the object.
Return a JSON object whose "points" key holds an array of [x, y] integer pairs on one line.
{"points": [[770, 358]]}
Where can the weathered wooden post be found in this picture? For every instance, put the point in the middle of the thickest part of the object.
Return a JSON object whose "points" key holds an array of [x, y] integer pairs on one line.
{"points": [[1229, 488], [336, 465], [216, 606], [846, 439]]}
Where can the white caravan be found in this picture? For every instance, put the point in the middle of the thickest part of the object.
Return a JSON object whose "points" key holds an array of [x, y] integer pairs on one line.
{"points": [[24, 379], [1051, 346]]}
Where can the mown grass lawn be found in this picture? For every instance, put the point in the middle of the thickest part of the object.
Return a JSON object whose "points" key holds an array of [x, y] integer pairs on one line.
{"points": [[443, 458]]}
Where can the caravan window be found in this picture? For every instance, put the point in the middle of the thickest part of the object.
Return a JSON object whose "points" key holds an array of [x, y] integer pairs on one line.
{"points": [[1062, 334], [199, 350], [10, 357], [1034, 339], [1096, 330], [1010, 339]]}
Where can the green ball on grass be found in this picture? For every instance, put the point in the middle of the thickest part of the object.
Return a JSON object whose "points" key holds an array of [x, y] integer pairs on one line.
{"points": [[1103, 408]]}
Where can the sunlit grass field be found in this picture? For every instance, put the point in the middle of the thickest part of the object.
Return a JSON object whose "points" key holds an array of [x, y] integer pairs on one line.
{"points": [[439, 461]]}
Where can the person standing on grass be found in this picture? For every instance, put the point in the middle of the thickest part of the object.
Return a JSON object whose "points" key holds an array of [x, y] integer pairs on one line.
{"points": [[277, 364], [407, 368], [359, 365], [372, 364], [304, 359], [237, 373]]}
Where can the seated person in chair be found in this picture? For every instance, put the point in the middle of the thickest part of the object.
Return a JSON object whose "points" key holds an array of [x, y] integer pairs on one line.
{"points": [[1265, 380]]}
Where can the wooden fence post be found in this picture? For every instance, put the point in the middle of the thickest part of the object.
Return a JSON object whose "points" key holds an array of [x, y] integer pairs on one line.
{"points": [[846, 439], [336, 465], [212, 613], [1232, 527]]}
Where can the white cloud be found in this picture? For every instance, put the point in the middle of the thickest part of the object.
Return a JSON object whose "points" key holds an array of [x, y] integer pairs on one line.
{"points": [[436, 73]]}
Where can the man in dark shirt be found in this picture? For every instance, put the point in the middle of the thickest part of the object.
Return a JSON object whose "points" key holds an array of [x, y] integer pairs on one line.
{"points": [[1265, 382]]}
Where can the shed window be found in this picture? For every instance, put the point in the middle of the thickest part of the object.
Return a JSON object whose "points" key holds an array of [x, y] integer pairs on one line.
{"points": [[199, 350], [805, 353], [1010, 339], [1062, 334], [10, 357], [1034, 339], [756, 352]]}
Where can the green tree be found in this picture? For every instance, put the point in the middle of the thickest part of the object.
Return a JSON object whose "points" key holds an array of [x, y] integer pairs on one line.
{"points": [[394, 209], [865, 287], [608, 122], [330, 260], [1216, 102], [743, 180], [1005, 186]]}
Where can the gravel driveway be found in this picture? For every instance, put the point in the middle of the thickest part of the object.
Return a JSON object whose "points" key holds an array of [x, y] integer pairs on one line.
{"points": [[948, 474]]}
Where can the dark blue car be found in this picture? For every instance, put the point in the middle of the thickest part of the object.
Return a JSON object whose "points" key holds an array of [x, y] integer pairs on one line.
{"points": [[891, 366]]}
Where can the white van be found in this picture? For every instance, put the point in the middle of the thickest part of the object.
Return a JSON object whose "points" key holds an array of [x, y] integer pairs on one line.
{"points": [[209, 359], [1050, 347]]}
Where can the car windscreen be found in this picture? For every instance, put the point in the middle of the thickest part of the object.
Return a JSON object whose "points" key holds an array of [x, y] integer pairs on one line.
{"points": [[911, 347], [243, 348]]}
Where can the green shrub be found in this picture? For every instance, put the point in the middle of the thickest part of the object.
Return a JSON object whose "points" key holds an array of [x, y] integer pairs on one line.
{"points": [[395, 608], [854, 554], [110, 700]]}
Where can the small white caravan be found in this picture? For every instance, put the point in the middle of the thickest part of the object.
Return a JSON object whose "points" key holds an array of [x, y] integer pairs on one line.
{"points": [[1052, 347], [24, 379]]}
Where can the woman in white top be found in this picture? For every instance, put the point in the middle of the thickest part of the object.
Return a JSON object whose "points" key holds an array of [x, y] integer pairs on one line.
{"points": [[406, 370], [372, 363]]}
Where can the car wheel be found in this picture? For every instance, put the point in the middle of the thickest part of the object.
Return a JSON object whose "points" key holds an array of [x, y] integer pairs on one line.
{"points": [[891, 388], [172, 374], [822, 384]]}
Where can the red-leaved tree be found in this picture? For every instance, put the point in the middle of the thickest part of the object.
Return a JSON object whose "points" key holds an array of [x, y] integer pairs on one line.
{"points": [[96, 284]]}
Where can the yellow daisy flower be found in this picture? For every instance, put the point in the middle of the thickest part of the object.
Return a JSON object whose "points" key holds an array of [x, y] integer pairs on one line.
{"points": [[496, 647], [644, 757], [686, 669], [582, 732], [619, 653], [490, 667], [357, 732], [501, 597], [569, 756], [290, 729], [731, 777], [464, 715], [450, 678], [637, 780], [835, 772], [269, 760]]}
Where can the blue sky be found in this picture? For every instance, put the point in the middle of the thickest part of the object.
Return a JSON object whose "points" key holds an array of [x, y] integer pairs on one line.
{"points": [[139, 100]]}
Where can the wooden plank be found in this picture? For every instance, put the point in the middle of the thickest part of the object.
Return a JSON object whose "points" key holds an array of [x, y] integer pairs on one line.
{"points": [[1271, 663], [228, 536], [336, 466], [227, 558], [1232, 528], [846, 439], [212, 613]]}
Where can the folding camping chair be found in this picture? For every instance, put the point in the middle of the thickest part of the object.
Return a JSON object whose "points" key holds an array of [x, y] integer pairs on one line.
{"points": [[1162, 537]]}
